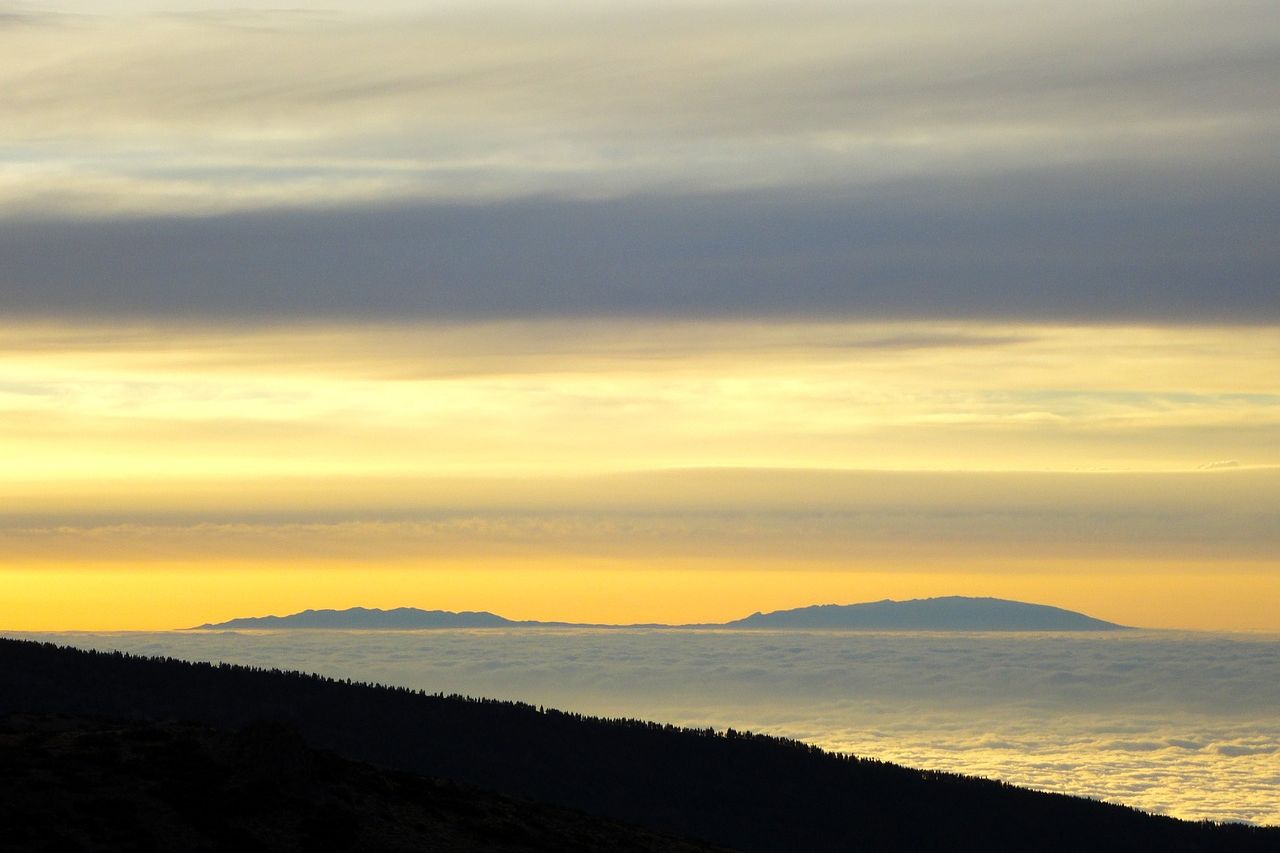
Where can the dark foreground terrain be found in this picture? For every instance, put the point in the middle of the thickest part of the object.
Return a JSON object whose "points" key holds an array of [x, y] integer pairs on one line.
{"points": [[736, 790], [81, 783]]}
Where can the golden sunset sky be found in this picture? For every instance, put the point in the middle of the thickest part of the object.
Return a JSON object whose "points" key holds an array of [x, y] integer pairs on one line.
{"points": [[618, 313]]}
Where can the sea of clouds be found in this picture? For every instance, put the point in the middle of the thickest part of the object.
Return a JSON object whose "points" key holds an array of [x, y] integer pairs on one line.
{"points": [[1186, 724]]}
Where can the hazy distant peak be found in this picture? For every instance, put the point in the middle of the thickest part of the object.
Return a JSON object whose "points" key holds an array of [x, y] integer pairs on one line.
{"points": [[402, 618], [947, 613]]}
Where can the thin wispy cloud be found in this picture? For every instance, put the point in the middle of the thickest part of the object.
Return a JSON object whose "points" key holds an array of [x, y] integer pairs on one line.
{"points": [[1088, 163], [271, 276]]}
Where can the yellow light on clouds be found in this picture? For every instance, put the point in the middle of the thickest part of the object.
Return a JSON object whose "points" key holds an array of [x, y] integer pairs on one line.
{"points": [[635, 472], [550, 399], [93, 598]]}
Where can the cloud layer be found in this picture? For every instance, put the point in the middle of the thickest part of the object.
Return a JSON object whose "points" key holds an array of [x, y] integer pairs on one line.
{"points": [[1177, 723], [1088, 247], [872, 160], [236, 458]]}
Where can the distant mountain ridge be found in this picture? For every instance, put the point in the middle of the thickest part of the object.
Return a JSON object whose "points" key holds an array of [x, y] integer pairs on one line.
{"points": [[949, 613], [401, 618]]}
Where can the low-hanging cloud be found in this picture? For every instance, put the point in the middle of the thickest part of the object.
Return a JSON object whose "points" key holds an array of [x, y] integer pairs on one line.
{"points": [[829, 515], [1090, 246], [1177, 723], [693, 160]]}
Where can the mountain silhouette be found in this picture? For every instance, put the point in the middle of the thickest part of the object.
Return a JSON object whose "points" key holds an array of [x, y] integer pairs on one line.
{"points": [[364, 618], [953, 613], [737, 790]]}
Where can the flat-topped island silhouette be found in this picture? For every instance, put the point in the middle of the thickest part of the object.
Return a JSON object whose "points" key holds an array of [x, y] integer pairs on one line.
{"points": [[949, 613]]}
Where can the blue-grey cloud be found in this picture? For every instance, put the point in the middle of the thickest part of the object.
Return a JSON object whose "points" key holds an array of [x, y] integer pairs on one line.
{"points": [[1092, 244], [874, 160]]}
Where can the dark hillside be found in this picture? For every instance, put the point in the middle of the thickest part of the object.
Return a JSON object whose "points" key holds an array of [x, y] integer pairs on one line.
{"points": [[743, 791], [82, 783]]}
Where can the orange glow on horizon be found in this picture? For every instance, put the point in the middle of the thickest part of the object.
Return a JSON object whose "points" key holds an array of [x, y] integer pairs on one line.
{"points": [[614, 472], [1237, 597]]}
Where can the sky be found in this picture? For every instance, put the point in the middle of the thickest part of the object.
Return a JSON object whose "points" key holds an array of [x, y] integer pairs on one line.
{"points": [[611, 312]]}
